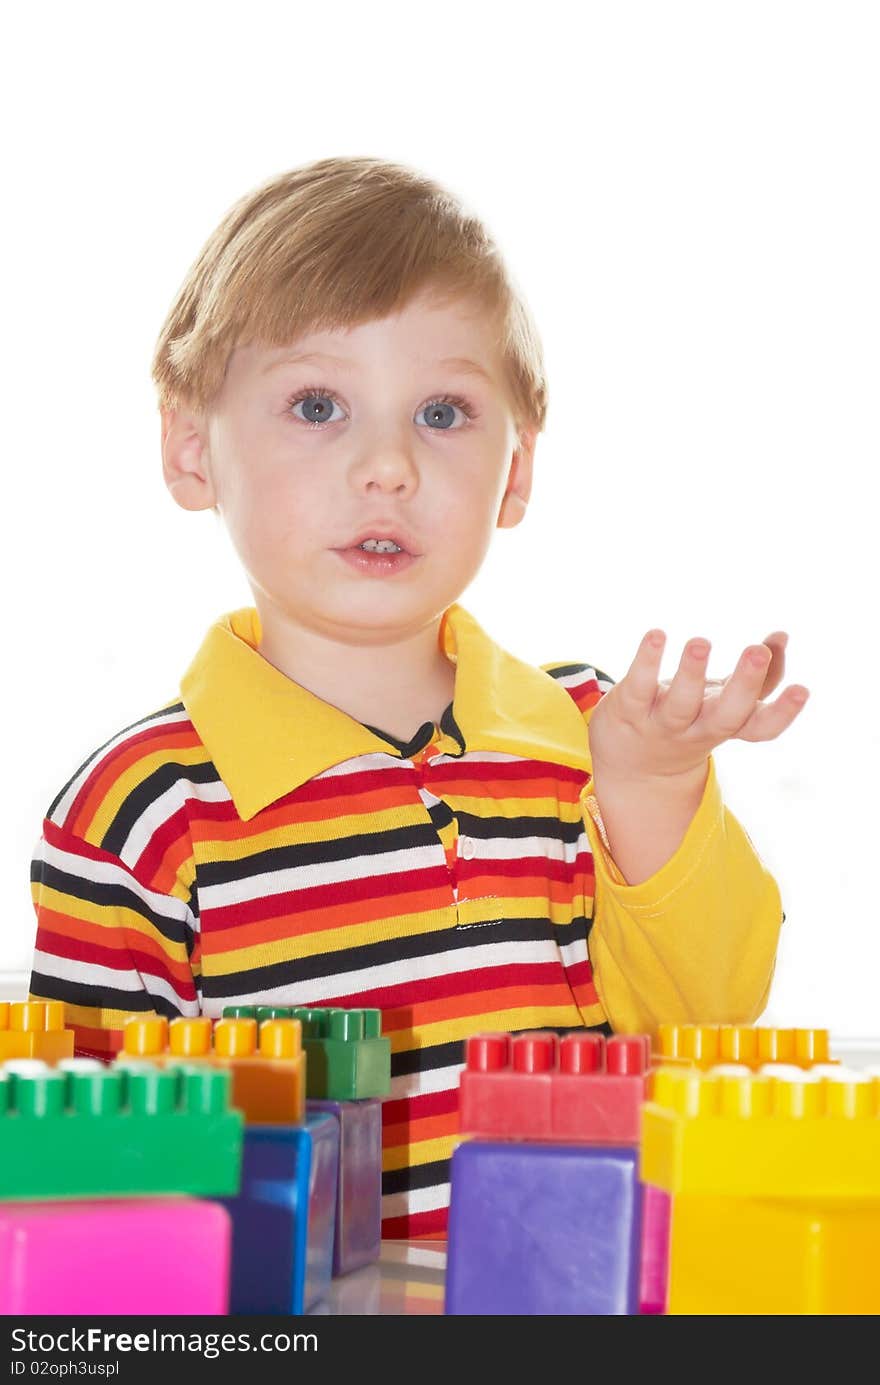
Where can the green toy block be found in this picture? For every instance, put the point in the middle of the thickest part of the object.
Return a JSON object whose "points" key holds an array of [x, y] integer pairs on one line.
{"points": [[346, 1057], [85, 1130]]}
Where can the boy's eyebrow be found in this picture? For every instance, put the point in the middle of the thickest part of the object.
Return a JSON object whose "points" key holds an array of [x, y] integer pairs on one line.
{"points": [[459, 363]]}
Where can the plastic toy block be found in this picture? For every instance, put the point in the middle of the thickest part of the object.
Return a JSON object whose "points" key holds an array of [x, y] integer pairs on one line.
{"points": [[84, 1130], [267, 1068], [543, 1229], [756, 1256], [151, 1255], [786, 1133], [358, 1238], [283, 1220], [656, 1219], [535, 1086], [34, 1029], [705, 1045], [346, 1057]]}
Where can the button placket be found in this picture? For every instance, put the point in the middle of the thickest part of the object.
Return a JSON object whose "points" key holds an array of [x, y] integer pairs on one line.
{"points": [[420, 767]]}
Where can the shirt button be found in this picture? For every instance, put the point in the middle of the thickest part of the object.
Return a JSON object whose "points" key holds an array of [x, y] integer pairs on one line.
{"points": [[467, 848]]}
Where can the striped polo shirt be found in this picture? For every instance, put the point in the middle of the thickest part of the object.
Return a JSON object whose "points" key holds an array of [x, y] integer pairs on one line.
{"points": [[250, 842]]}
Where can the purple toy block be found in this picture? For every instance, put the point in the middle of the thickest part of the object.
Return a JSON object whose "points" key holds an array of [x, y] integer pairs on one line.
{"points": [[133, 1256], [358, 1238], [543, 1229]]}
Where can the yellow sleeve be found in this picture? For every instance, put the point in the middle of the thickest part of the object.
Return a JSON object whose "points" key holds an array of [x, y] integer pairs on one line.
{"points": [[694, 944]]}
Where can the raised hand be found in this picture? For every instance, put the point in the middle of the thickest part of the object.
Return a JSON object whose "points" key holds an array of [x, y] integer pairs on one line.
{"points": [[645, 728]]}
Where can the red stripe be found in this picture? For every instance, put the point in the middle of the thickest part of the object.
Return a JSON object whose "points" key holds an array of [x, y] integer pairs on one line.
{"points": [[121, 960], [416, 1224], [460, 983], [422, 1104], [150, 862], [307, 899], [153, 739]]}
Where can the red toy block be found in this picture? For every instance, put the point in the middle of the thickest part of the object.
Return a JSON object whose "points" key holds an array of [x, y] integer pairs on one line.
{"points": [[535, 1086]]}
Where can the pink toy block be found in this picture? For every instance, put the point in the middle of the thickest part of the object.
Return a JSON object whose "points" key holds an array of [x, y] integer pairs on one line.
{"points": [[137, 1256], [654, 1282], [534, 1086]]}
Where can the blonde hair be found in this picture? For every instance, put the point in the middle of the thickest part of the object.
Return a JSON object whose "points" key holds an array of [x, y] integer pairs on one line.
{"points": [[331, 245]]}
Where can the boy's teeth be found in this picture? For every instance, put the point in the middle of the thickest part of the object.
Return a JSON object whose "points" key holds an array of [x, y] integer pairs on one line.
{"points": [[380, 546]]}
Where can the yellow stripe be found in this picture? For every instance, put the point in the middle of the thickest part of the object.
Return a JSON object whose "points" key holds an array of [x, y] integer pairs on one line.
{"points": [[109, 920], [445, 1031], [424, 1152]]}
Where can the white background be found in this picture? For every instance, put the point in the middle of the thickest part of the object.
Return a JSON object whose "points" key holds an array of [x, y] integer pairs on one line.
{"points": [[687, 194]]}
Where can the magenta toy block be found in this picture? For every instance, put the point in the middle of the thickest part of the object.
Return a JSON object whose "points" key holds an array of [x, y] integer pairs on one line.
{"points": [[137, 1256], [543, 1229], [653, 1289], [535, 1086], [358, 1238]]}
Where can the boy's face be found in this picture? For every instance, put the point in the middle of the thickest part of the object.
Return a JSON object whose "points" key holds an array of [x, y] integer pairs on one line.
{"points": [[403, 444]]}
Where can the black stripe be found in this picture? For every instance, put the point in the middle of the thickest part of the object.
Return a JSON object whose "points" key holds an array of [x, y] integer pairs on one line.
{"points": [[365, 844], [450, 727], [567, 670], [416, 1176], [548, 828], [135, 725], [104, 998], [421, 738], [440, 814], [146, 793], [317, 853], [390, 951], [108, 896], [427, 1059], [449, 1054]]}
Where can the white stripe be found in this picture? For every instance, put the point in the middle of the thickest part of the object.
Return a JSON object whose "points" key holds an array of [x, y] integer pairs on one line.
{"points": [[63, 807], [425, 1083], [361, 867], [323, 988], [157, 813], [516, 848], [575, 680], [106, 873], [105, 978], [415, 1200]]}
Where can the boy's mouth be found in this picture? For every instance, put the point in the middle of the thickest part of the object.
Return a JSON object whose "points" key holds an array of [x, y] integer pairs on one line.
{"points": [[382, 537]]}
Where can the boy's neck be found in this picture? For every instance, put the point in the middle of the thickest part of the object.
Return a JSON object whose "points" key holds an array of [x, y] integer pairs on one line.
{"points": [[394, 686]]}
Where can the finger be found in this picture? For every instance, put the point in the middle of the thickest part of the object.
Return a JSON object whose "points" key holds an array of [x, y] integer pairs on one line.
{"points": [[740, 695], [682, 701], [638, 687], [770, 719], [776, 642]]}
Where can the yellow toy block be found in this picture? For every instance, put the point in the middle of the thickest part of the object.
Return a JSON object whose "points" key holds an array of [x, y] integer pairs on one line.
{"points": [[705, 1045], [782, 1132], [268, 1069], [34, 1029], [752, 1256]]}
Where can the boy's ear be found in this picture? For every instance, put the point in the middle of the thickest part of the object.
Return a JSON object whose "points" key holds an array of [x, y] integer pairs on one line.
{"points": [[185, 460], [519, 482]]}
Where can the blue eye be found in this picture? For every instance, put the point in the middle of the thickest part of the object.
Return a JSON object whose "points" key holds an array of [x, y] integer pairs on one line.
{"points": [[318, 405]]}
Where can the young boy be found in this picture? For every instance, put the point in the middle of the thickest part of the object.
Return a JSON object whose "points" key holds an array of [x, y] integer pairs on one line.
{"points": [[357, 797]]}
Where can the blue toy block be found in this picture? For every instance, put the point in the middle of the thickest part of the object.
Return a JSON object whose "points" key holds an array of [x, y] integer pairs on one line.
{"points": [[358, 1239], [284, 1219], [543, 1229]]}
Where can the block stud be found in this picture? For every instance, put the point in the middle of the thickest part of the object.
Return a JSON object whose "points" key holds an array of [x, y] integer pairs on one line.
{"points": [[534, 1052], [190, 1038], [487, 1052], [143, 1037], [582, 1053], [280, 1038], [235, 1038]]}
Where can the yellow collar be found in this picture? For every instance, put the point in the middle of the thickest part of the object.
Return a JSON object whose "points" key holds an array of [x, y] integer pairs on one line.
{"points": [[267, 735]]}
